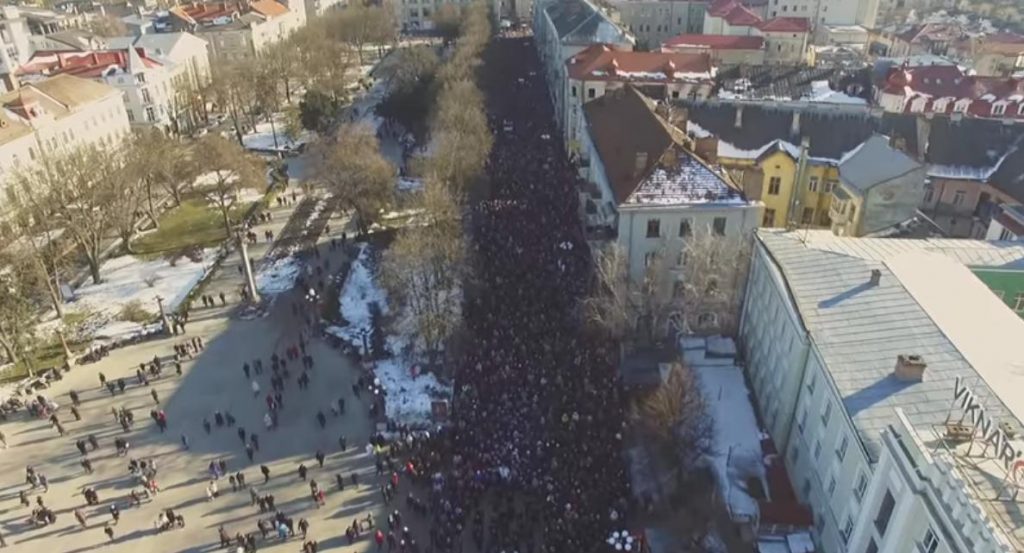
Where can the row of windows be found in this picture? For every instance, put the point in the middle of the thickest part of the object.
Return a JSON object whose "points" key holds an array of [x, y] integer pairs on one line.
{"points": [[775, 185], [685, 227]]}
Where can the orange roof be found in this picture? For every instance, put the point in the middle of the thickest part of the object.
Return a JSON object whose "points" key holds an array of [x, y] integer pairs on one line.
{"points": [[88, 65], [268, 8], [786, 25], [601, 62], [734, 13]]}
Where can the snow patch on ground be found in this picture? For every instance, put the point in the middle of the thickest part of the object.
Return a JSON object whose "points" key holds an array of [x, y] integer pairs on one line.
{"points": [[279, 276], [262, 137], [409, 393], [737, 437], [127, 279]]}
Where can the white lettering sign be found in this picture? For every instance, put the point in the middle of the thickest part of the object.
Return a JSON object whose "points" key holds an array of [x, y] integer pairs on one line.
{"points": [[984, 424]]}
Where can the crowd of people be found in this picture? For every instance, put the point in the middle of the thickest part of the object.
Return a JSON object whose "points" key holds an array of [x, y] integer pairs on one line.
{"points": [[531, 461]]}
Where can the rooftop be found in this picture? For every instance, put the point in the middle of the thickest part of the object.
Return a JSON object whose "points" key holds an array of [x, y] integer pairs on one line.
{"points": [[56, 97], [949, 81], [734, 13], [601, 62], [786, 25], [874, 162], [789, 83], [860, 329], [643, 157], [88, 65], [225, 12], [716, 42], [580, 22]]}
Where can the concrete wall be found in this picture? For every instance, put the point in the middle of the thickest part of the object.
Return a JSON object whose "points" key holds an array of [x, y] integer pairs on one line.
{"points": [[892, 202]]}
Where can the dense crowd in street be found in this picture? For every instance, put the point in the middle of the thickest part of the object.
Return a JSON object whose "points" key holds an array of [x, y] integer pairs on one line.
{"points": [[531, 462]]}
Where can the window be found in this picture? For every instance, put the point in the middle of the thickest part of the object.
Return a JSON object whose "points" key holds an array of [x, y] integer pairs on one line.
{"points": [[861, 487], [847, 529], [930, 543], [794, 453], [1018, 302], [885, 513], [685, 228], [706, 320], [844, 444], [872, 547], [719, 226], [649, 258], [806, 489], [574, 92], [817, 450], [682, 259], [591, 93], [812, 382], [958, 197], [820, 524], [832, 486], [653, 228], [141, 78], [998, 109], [812, 184], [830, 185], [961, 106], [774, 184], [146, 98], [131, 116], [929, 193], [803, 421], [769, 218], [826, 415], [678, 289], [150, 114], [807, 217]]}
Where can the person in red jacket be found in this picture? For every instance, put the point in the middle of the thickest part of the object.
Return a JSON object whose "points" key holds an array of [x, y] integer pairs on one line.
{"points": [[379, 538]]}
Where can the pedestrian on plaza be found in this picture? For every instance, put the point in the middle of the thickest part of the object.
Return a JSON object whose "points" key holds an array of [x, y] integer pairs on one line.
{"points": [[266, 473], [342, 443], [23, 498], [87, 465], [44, 482], [211, 490], [223, 466], [206, 425], [234, 483], [93, 442], [156, 397], [103, 380], [225, 541], [302, 471], [320, 418], [115, 513], [80, 517], [320, 458], [74, 398], [303, 527], [223, 299], [241, 434], [240, 477], [254, 439], [177, 367], [249, 452], [184, 442], [109, 532], [245, 369], [75, 413]]}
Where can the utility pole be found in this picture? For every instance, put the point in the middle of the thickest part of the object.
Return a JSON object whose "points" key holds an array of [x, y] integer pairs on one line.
{"points": [[250, 282], [163, 314]]}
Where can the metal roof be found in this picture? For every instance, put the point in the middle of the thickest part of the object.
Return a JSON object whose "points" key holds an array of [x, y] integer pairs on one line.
{"points": [[860, 328]]}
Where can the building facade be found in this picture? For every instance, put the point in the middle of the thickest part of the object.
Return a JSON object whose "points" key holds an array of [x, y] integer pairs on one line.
{"points": [[655, 21], [828, 12], [237, 30], [14, 39], [832, 329], [722, 49], [54, 114]]}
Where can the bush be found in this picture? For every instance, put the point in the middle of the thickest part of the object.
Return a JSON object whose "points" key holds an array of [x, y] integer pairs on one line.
{"points": [[135, 313]]}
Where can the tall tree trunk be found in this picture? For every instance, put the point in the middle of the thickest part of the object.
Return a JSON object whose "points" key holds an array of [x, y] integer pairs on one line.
{"points": [[5, 343], [225, 219], [93, 260], [54, 293]]}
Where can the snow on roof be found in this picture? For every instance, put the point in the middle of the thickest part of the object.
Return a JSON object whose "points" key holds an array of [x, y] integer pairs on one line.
{"points": [[822, 92]]}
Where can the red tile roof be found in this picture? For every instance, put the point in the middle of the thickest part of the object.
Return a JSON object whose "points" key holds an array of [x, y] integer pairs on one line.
{"points": [[947, 81], [734, 13], [717, 42], [601, 62], [786, 25], [87, 65], [269, 8], [198, 12]]}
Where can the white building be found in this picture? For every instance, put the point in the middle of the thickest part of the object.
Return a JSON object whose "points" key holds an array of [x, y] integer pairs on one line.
{"points": [[14, 36], [840, 333], [1007, 223], [564, 29], [655, 21], [828, 12], [415, 15], [320, 7], [187, 55], [236, 30], [57, 113]]}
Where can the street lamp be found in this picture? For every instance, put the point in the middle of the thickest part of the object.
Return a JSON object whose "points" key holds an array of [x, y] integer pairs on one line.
{"points": [[250, 282], [163, 314]]}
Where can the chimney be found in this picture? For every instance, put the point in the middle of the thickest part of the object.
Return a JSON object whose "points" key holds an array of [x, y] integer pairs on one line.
{"points": [[794, 127], [910, 368], [739, 117], [876, 277], [924, 131], [640, 163]]}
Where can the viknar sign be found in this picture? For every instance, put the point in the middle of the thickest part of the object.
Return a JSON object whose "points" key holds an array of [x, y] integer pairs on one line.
{"points": [[983, 423]]}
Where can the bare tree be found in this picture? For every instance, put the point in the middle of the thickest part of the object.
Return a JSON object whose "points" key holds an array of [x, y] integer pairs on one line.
{"points": [[447, 20], [170, 171], [694, 288], [462, 136], [16, 309], [353, 169], [411, 66], [107, 26], [674, 418], [37, 244], [73, 187], [425, 266], [353, 26], [229, 171]]}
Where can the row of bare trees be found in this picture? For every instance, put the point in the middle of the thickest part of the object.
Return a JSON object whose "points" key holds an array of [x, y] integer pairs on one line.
{"points": [[426, 266]]}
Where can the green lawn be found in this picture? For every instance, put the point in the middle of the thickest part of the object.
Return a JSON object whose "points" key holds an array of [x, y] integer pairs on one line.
{"points": [[193, 223]]}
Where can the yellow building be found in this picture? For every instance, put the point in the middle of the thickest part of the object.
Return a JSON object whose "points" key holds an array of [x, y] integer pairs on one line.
{"points": [[791, 191]]}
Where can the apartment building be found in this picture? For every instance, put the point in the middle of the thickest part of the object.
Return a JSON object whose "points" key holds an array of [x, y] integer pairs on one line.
{"points": [[14, 39], [239, 30], [885, 372], [655, 21]]}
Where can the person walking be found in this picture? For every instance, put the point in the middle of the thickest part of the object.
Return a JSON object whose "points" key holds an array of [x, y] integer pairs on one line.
{"points": [[80, 517], [320, 458], [266, 473], [115, 513], [254, 439], [302, 471], [184, 442], [241, 434], [249, 452], [255, 388], [156, 396], [109, 532]]}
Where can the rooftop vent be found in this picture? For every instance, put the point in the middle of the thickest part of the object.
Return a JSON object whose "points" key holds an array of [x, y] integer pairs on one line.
{"points": [[876, 277], [910, 368]]}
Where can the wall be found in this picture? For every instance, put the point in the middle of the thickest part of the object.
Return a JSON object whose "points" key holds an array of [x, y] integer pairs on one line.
{"points": [[654, 22], [777, 165], [892, 202], [785, 48], [633, 228]]}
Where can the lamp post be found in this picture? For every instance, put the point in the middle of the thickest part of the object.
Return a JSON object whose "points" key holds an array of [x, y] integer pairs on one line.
{"points": [[163, 315], [250, 282]]}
